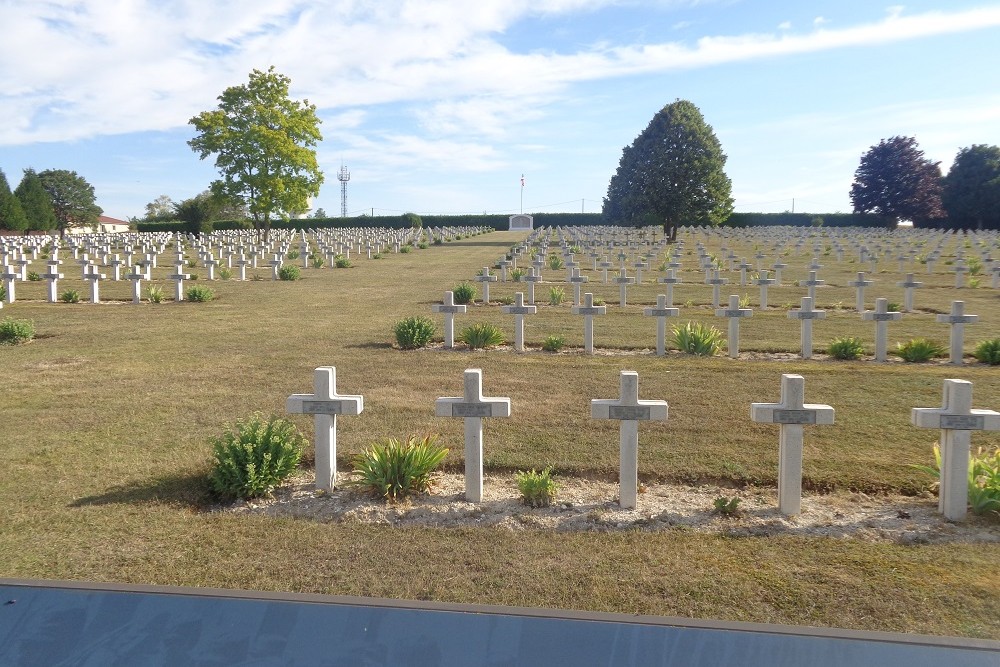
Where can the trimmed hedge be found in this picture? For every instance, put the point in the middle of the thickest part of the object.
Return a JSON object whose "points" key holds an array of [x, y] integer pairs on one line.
{"points": [[805, 220]]}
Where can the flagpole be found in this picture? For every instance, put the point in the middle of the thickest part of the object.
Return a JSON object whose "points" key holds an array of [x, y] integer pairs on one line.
{"points": [[522, 194]]}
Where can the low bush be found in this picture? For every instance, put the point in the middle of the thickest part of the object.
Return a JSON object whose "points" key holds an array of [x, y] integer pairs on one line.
{"points": [[292, 254], [918, 350], [423, 245], [727, 506], [556, 295], [482, 336], [847, 347], [537, 488], [155, 294], [70, 296], [553, 343], [988, 352], [199, 294], [392, 469], [405, 249], [555, 262], [225, 274], [414, 332], [15, 332], [255, 456], [984, 478], [464, 293], [517, 274], [342, 262], [697, 338], [33, 276], [289, 272], [317, 262]]}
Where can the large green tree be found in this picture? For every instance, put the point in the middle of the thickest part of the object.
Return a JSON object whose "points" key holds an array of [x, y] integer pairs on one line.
{"points": [[672, 174], [895, 181], [72, 199], [263, 142], [35, 202], [12, 215], [971, 194]]}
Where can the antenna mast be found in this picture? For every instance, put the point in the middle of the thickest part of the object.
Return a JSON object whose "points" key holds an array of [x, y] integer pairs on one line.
{"points": [[343, 176]]}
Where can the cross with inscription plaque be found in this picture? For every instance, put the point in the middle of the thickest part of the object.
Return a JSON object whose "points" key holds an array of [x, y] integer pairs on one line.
{"points": [[519, 310], [485, 278], [577, 280], [533, 277], [588, 310], [473, 407], [325, 404], [881, 316], [661, 312], [764, 282], [812, 284], [791, 414], [806, 314], [908, 285], [734, 313], [629, 411], [859, 285], [716, 282], [956, 419], [957, 319], [449, 308], [669, 280]]}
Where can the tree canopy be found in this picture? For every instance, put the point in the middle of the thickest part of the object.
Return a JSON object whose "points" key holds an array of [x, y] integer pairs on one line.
{"points": [[672, 174], [971, 193], [72, 198], [895, 181], [263, 142], [12, 215], [35, 202]]}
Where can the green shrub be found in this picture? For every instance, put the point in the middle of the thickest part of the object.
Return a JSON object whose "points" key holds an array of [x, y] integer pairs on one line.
{"points": [[439, 241], [482, 336], [975, 266], [847, 347], [289, 272], [33, 276], [727, 506], [255, 456], [225, 274], [423, 245], [537, 488], [506, 300], [556, 295], [342, 262], [464, 293], [553, 343], [984, 478], [3, 292], [555, 262], [893, 307], [405, 249], [292, 254], [988, 351], [413, 220], [919, 350], [15, 332], [199, 294], [697, 338], [517, 274], [154, 294], [414, 332], [392, 470], [318, 262], [70, 296]]}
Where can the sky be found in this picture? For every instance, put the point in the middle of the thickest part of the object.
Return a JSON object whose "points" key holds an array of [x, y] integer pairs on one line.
{"points": [[440, 106]]}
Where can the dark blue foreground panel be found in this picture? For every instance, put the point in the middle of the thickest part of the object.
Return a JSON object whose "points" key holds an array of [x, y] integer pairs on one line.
{"points": [[104, 625]]}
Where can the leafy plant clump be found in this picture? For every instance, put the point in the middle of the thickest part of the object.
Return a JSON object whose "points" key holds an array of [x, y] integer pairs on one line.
{"points": [[154, 294], [555, 262], [317, 262], [517, 274], [70, 296], [292, 254], [727, 506], [225, 274], [556, 295], [537, 488], [255, 456], [33, 276], [698, 338], [984, 479], [342, 262], [199, 294], [15, 332], [553, 343], [988, 352], [392, 469], [918, 350], [414, 332], [289, 272], [848, 347], [482, 336], [464, 293]]}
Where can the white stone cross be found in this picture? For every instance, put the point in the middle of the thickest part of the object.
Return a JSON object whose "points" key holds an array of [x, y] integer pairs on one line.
{"points": [[116, 267], [764, 282], [734, 313], [577, 280], [661, 312], [623, 280], [473, 407], [812, 284], [485, 278], [744, 266], [805, 314], [604, 266], [588, 310], [179, 277], [860, 284], [533, 277], [957, 319], [242, 264], [9, 277], [960, 269], [778, 266], [791, 414], [53, 276], [716, 282], [881, 316], [94, 277], [629, 411], [956, 419], [275, 267], [908, 285], [136, 277], [449, 308], [519, 310], [669, 280], [325, 404]]}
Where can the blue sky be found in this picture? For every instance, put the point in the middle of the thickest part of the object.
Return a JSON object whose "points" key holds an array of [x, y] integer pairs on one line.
{"points": [[440, 106]]}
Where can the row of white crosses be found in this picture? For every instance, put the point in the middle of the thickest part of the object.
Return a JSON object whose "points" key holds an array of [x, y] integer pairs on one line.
{"points": [[956, 420]]}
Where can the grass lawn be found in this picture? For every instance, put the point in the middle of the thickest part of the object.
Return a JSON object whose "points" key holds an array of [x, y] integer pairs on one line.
{"points": [[105, 420]]}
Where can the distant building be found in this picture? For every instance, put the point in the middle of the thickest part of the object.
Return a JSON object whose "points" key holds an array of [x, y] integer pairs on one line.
{"points": [[105, 225]]}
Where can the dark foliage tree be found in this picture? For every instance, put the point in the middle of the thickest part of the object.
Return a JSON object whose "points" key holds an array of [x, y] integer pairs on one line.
{"points": [[35, 202], [672, 174], [971, 194], [896, 182], [72, 199], [12, 217]]}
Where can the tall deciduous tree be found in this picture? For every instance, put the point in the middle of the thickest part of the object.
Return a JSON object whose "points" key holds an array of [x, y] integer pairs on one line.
{"points": [[672, 174], [263, 142], [161, 208], [35, 202], [11, 213], [971, 195], [72, 199], [895, 181]]}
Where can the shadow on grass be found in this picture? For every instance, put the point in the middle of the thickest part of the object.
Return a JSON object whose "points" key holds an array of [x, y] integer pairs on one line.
{"points": [[370, 346], [188, 490]]}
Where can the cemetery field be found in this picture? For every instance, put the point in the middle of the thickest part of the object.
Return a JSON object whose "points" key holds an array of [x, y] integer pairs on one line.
{"points": [[105, 422]]}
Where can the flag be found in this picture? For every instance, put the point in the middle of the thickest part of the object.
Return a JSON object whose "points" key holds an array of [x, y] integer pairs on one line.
{"points": [[522, 180]]}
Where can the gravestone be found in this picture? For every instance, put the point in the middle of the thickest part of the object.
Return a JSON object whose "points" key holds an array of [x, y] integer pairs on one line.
{"points": [[860, 284], [325, 404], [734, 313], [791, 414], [449, 308], [811, 284], [881, 316], [669, 280], [588, 310], [576, 279], [520, 222], [764, 282], [519, 310], [908, 285], [806, 314], [957, 319], [485, 278], [9, 277], [473, 407], [178, 276], [661, 312], [628, 410]]}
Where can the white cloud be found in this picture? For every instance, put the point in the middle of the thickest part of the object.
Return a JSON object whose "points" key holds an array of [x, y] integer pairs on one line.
{"points": [[785, 25], [819, 20]]}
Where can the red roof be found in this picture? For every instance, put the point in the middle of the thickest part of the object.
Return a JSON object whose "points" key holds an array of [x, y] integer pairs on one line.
{"points": [[110, 221]]}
